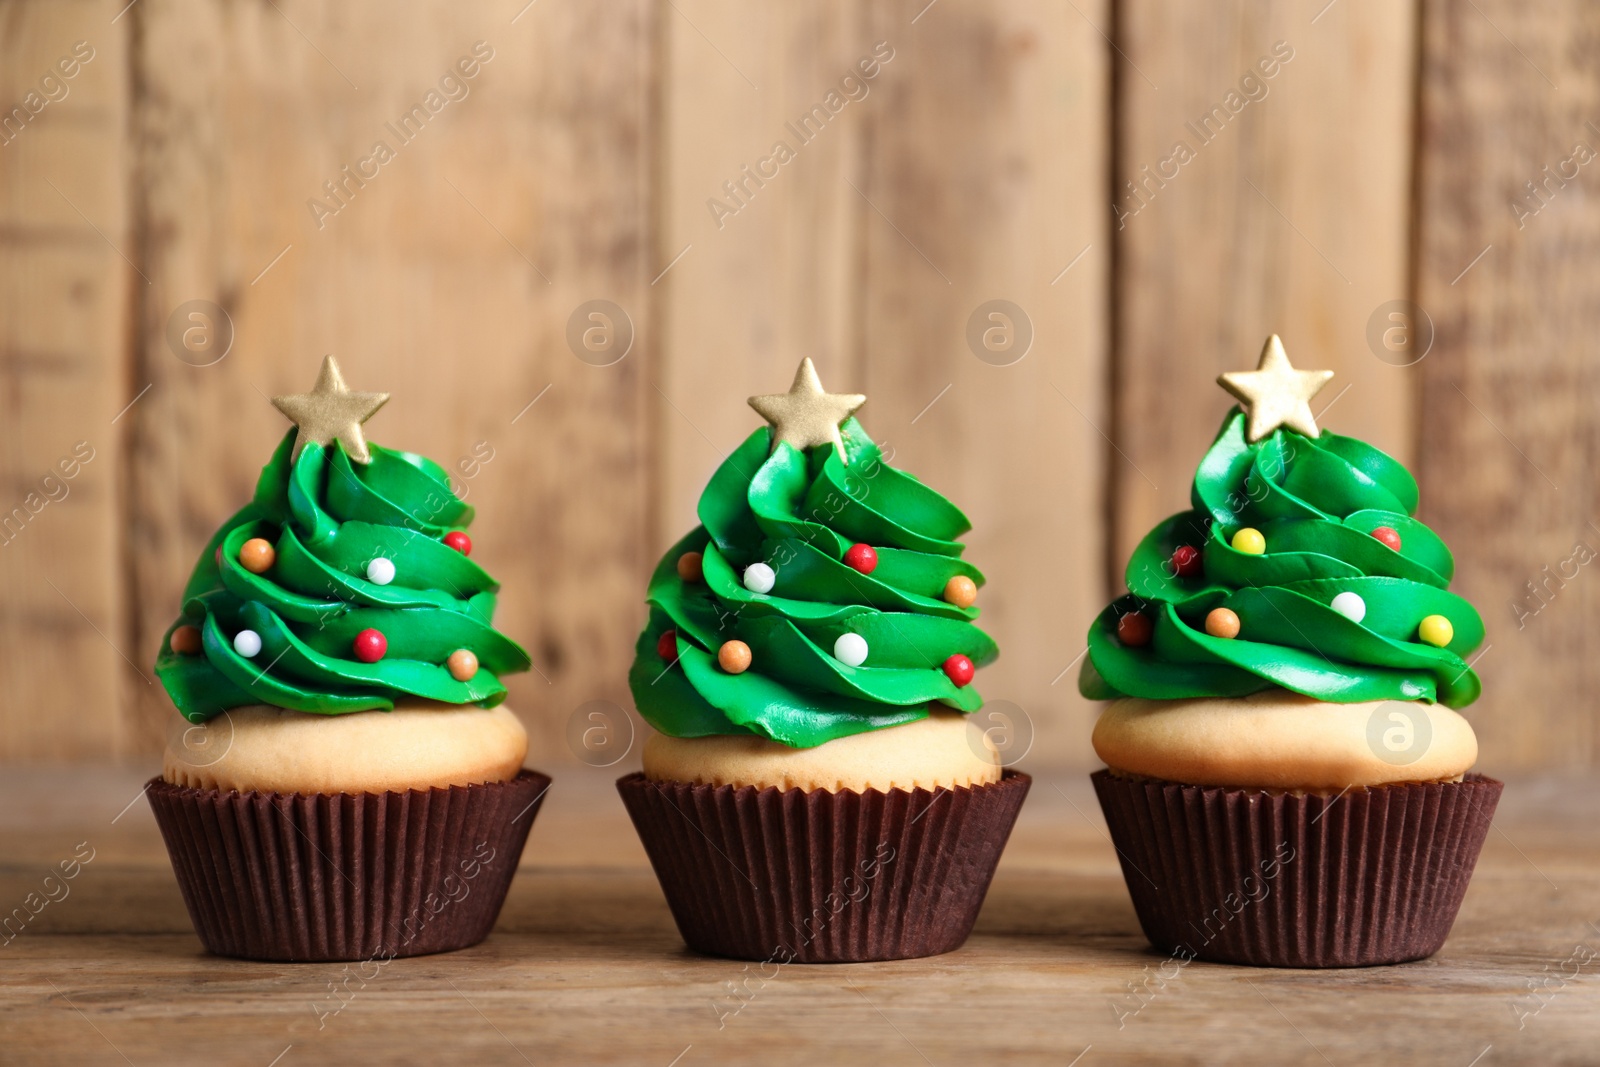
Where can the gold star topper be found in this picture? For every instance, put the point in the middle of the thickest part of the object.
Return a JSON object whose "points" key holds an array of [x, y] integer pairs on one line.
{"points": [[331, 412], [1275, 394], [805, 415]]}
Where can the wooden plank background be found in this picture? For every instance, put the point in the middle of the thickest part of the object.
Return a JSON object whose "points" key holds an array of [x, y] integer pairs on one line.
{"points": [[69, 265], [1029, 152], [1509, 397]]}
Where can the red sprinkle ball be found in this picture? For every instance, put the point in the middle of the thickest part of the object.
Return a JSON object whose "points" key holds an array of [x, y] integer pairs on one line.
{"points": [[959, 669], [863, 558], [667, 646], [370, 645], [1186, 562], [1389, 536], [459, 541], [1134, 629]]}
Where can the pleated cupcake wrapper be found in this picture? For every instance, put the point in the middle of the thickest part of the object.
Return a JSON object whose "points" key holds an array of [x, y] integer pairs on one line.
{"points": [[1373, 876], [345, 877], [796, 876]]}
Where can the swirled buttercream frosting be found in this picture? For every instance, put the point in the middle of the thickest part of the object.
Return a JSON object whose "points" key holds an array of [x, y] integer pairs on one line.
{"points": [[1320, 603]]}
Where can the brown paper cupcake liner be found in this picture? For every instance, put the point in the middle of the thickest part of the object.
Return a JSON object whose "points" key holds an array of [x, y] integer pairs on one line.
{"points": [[1372, 876], [344, 877], [796, 876]]}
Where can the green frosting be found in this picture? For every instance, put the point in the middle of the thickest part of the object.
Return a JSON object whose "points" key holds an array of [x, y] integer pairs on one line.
{"points": [[328, 518], [1316, 501], [799, 512]]}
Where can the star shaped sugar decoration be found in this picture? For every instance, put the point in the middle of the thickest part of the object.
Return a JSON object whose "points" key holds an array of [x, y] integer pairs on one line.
{"points": [[806, 415], [1275, 394], [331, 412]]}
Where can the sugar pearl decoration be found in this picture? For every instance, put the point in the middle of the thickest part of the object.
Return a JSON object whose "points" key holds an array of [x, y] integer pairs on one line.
{"points": [[1350, 605], [690, 566], [257, 555], [850, 649], [1436, 630], [760, 578], [185, 641], [1223, 623], [667, 646], [1388, 535], [247, 643], [1133, 629], [459, 541], [959, 669], [380, 571], [369, 645], [1249, 541], [463, 665], [734, 657], [1186, 562], [863, 558], [961, 591]]}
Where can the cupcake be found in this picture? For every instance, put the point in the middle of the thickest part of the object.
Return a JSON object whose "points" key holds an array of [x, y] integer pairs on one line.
{"points": [[814, 791], [345, 783], [1287, 777]]}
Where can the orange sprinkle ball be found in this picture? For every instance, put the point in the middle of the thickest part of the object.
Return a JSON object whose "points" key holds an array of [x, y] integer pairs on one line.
{"points": [[463, 665], [734, 657], [1222, 623], [961, 591], [690, 566], [185, 641], [257, 555]]}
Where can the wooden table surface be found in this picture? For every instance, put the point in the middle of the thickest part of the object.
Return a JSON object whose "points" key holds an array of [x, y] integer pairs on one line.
{"points": [[585, 966]]}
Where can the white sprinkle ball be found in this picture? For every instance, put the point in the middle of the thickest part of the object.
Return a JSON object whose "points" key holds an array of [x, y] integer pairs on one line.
{"points": [[759, 578], [380, 571], [1350, 605], [247, 643], [850, 649]]}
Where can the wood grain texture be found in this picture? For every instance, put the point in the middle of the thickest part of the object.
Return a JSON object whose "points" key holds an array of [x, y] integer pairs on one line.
{"points": [[988, 159], [585, 966], [1508, 394], [767, 274], [63, 295], [984, 174], [447, 280], [964, 169], [1291, 217]]}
